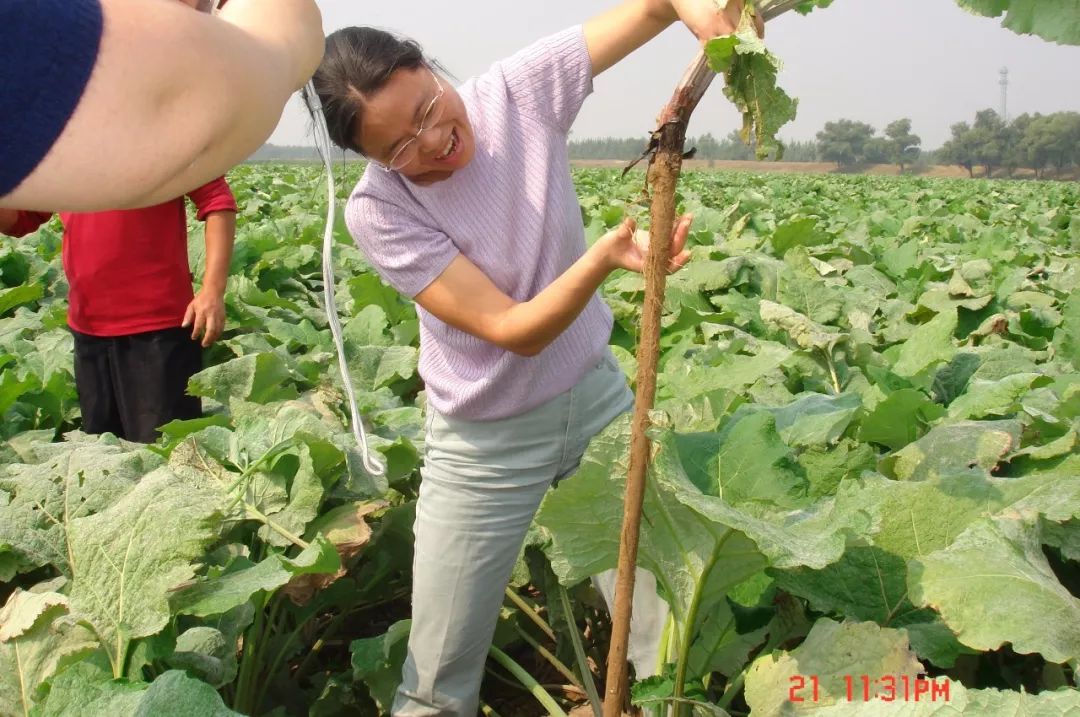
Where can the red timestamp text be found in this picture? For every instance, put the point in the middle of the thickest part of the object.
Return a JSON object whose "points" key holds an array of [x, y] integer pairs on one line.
{"points": [[864, 688]]}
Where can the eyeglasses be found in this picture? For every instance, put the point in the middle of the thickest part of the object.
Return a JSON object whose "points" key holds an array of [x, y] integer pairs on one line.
{"points": [[431, 117]]}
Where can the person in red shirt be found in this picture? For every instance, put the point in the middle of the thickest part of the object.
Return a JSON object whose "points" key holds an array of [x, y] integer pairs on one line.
{"points": [[139, 327]]}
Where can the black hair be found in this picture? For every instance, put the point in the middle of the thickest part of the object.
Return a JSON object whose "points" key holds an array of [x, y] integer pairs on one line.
{"points": [[358, 62]]}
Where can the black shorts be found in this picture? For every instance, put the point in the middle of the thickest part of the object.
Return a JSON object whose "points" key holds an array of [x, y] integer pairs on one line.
{"points": [[131, 385]]}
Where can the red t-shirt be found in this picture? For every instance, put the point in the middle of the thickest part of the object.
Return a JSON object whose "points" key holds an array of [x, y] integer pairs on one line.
{"points": [[128, 269]]}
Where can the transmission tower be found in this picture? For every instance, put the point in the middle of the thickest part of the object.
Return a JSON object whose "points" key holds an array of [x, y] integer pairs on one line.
{"points": [[1004, 94]]}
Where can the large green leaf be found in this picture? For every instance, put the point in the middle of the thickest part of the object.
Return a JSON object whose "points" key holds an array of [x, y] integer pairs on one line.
{"points": [[750, 83], [915, 518], [719, 646], [697, 545], [995, 398], [129, 557], [899, 419], [287, 452], [294, 471], [1067, 341], [797, 231], [1054, 20], [1058, 703], [806, 333], [912, 520], [377, 662], [87, 689], [368, 328], [708, 274], [262, 378], [373, 367], [16, 296], [860, 670], [72, 480], [868, 583], [34, 645], [87, 692], [749, 462], [815, 419], [835, 655], [929, 344], [218, 595], [826, 467], [1020, 600], [685, 380], [966, 446]]}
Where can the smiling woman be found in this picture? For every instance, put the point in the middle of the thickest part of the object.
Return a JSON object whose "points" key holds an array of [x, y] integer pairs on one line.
{"points": [[469, 208], [375, 85], [442, 141]]}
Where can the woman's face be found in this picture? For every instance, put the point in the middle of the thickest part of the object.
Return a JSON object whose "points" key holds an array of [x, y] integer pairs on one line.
{"points": [[417, 125]]}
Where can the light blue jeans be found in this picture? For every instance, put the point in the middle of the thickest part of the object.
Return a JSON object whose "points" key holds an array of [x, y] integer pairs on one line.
{"points": [[482, 483]]}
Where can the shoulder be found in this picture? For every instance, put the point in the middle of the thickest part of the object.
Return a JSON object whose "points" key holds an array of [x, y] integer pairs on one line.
{"points": [[381, 203]]}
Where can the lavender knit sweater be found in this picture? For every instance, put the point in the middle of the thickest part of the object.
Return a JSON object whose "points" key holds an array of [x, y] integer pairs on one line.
{"points": [[513, 212]]}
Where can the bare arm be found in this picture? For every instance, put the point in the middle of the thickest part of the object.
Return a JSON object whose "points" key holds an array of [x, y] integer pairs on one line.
{"points": [[176, 98], [464, 297], [614, 34], [206, 312], [220, 236]]}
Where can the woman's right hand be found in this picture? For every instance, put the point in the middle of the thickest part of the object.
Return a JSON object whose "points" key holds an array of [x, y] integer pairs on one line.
{"points": [[622, 251], [706, 19]]}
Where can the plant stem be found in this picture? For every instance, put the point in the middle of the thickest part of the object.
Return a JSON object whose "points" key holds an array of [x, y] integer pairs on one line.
{"points": [[555, 662], [579, 652], [520, 604], [832, 370], [318, 645], [268, 675], [269, 522], [775, 9], [249, 660], [663, 655], [687, 638], [547, 701], [121, 656], [269, 625], [731, 690]]}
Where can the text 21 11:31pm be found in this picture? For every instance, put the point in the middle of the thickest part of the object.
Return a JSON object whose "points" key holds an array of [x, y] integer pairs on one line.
{"points": [[863, 688]]}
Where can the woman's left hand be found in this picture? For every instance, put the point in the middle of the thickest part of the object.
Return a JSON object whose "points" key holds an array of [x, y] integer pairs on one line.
{"points": [[622, 251], [707, 19]]}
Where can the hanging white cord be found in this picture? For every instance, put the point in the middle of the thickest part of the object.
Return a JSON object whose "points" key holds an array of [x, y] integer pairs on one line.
{"points": [[372, 463]]}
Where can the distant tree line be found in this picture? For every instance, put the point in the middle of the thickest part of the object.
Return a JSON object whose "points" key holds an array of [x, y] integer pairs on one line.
{"points": [[989, 145], [1040, 143], [849, 143], [1037, 142], [705, 147]]}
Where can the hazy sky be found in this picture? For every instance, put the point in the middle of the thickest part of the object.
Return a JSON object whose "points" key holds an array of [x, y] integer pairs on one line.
{"points": [[869, 60]]}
